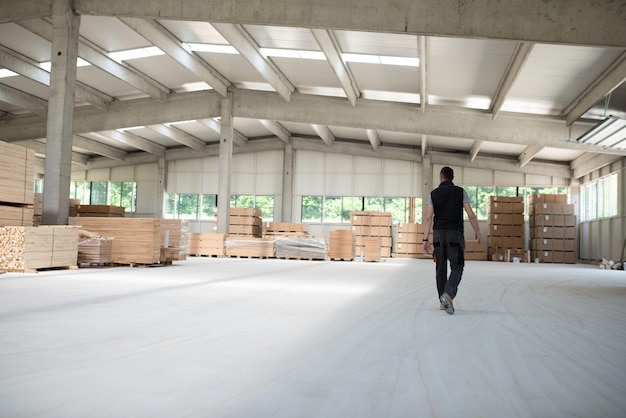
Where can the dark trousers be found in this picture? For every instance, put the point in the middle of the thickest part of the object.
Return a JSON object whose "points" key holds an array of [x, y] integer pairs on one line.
{"points": [[449, 246]]}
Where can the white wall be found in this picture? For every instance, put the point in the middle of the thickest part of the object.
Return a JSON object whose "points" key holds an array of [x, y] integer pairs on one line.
{"points": [[604, 238]]}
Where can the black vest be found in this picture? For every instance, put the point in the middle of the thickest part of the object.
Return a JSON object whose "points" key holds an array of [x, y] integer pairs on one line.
{"points": [[448, 206]]}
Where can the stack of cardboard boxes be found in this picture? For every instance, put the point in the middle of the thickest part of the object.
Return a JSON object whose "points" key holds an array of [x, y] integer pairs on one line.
{"points": [[552, 229], [506, 226], [372, 224], [409, 240], [341, 245]]}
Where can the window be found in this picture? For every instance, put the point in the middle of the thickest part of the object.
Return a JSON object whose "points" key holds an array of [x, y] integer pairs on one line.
{"points": [[105, 193], [479, 198], [203, 207], [599, 199], [336, 209], [311, 208]]}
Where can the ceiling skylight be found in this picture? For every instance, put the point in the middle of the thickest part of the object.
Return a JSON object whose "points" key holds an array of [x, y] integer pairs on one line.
{"points": [[381, 59], [79, 63], [130, 54], [293, 53], [4, 73], [219, 49]]}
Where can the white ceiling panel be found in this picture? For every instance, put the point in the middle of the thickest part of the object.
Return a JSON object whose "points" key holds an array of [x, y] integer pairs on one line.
{"points": [[102, 81], [194, 32], [377, 44], [283, 37], [307, 73], [554, 75], [24, 42], [379, 77], [110, 34]]}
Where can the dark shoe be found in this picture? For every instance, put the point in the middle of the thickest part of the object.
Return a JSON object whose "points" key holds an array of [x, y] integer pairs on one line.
{"points": [[446, 300]]}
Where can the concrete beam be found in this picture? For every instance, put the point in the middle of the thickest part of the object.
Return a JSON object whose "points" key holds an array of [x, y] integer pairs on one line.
{"points": [[475, 149], [329, 45], [134, 141], [528, 154], [372, 135], [520, 55], [324, 132], [582, 166], [277, 129], [564, 22], [422, 52], [500, 164], [179, 136], [239, 138], [608, 81], [24, 100], [330, 111], [237, 36], [160, 37], [95, 56], [98, 148]]}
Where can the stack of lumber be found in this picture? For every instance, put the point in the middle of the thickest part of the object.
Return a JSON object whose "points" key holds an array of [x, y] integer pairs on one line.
{"points": [[371, 248], [135, 240], [284, 229], [341, 245], [93, 249], [174, 236], [17, 172], [38, 208], [309, 248], [206, 244], [28, 248], [105, 211], [245, 222], [238, 246]]}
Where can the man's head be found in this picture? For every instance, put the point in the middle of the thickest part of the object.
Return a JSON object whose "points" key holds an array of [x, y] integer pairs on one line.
{"points": [[447, 174]]}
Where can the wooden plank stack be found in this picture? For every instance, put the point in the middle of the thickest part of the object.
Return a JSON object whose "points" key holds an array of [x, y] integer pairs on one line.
{"points": [[341, 245], [174, 236], [135, 240], [17, 172], [28, 248], [94, 249], [206, 244], [372, 224]]}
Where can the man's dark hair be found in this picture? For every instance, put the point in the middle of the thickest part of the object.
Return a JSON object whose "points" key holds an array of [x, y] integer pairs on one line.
{"points": [[447, 173]]}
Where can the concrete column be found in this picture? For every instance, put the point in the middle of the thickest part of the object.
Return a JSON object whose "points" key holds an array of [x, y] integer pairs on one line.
{"points": [[287, 206], [574, 193], [162, 181], [60, 124], [226, 155], [427, 186]]}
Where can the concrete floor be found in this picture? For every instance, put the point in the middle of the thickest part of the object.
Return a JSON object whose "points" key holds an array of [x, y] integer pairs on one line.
{"points": [[221, 337]]}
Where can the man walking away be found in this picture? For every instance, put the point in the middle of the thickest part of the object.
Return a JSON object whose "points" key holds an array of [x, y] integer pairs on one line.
{"points": [[445, 206]]}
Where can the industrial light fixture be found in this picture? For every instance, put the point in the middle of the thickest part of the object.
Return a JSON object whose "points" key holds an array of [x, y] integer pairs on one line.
{"points": [[609, 133]]}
